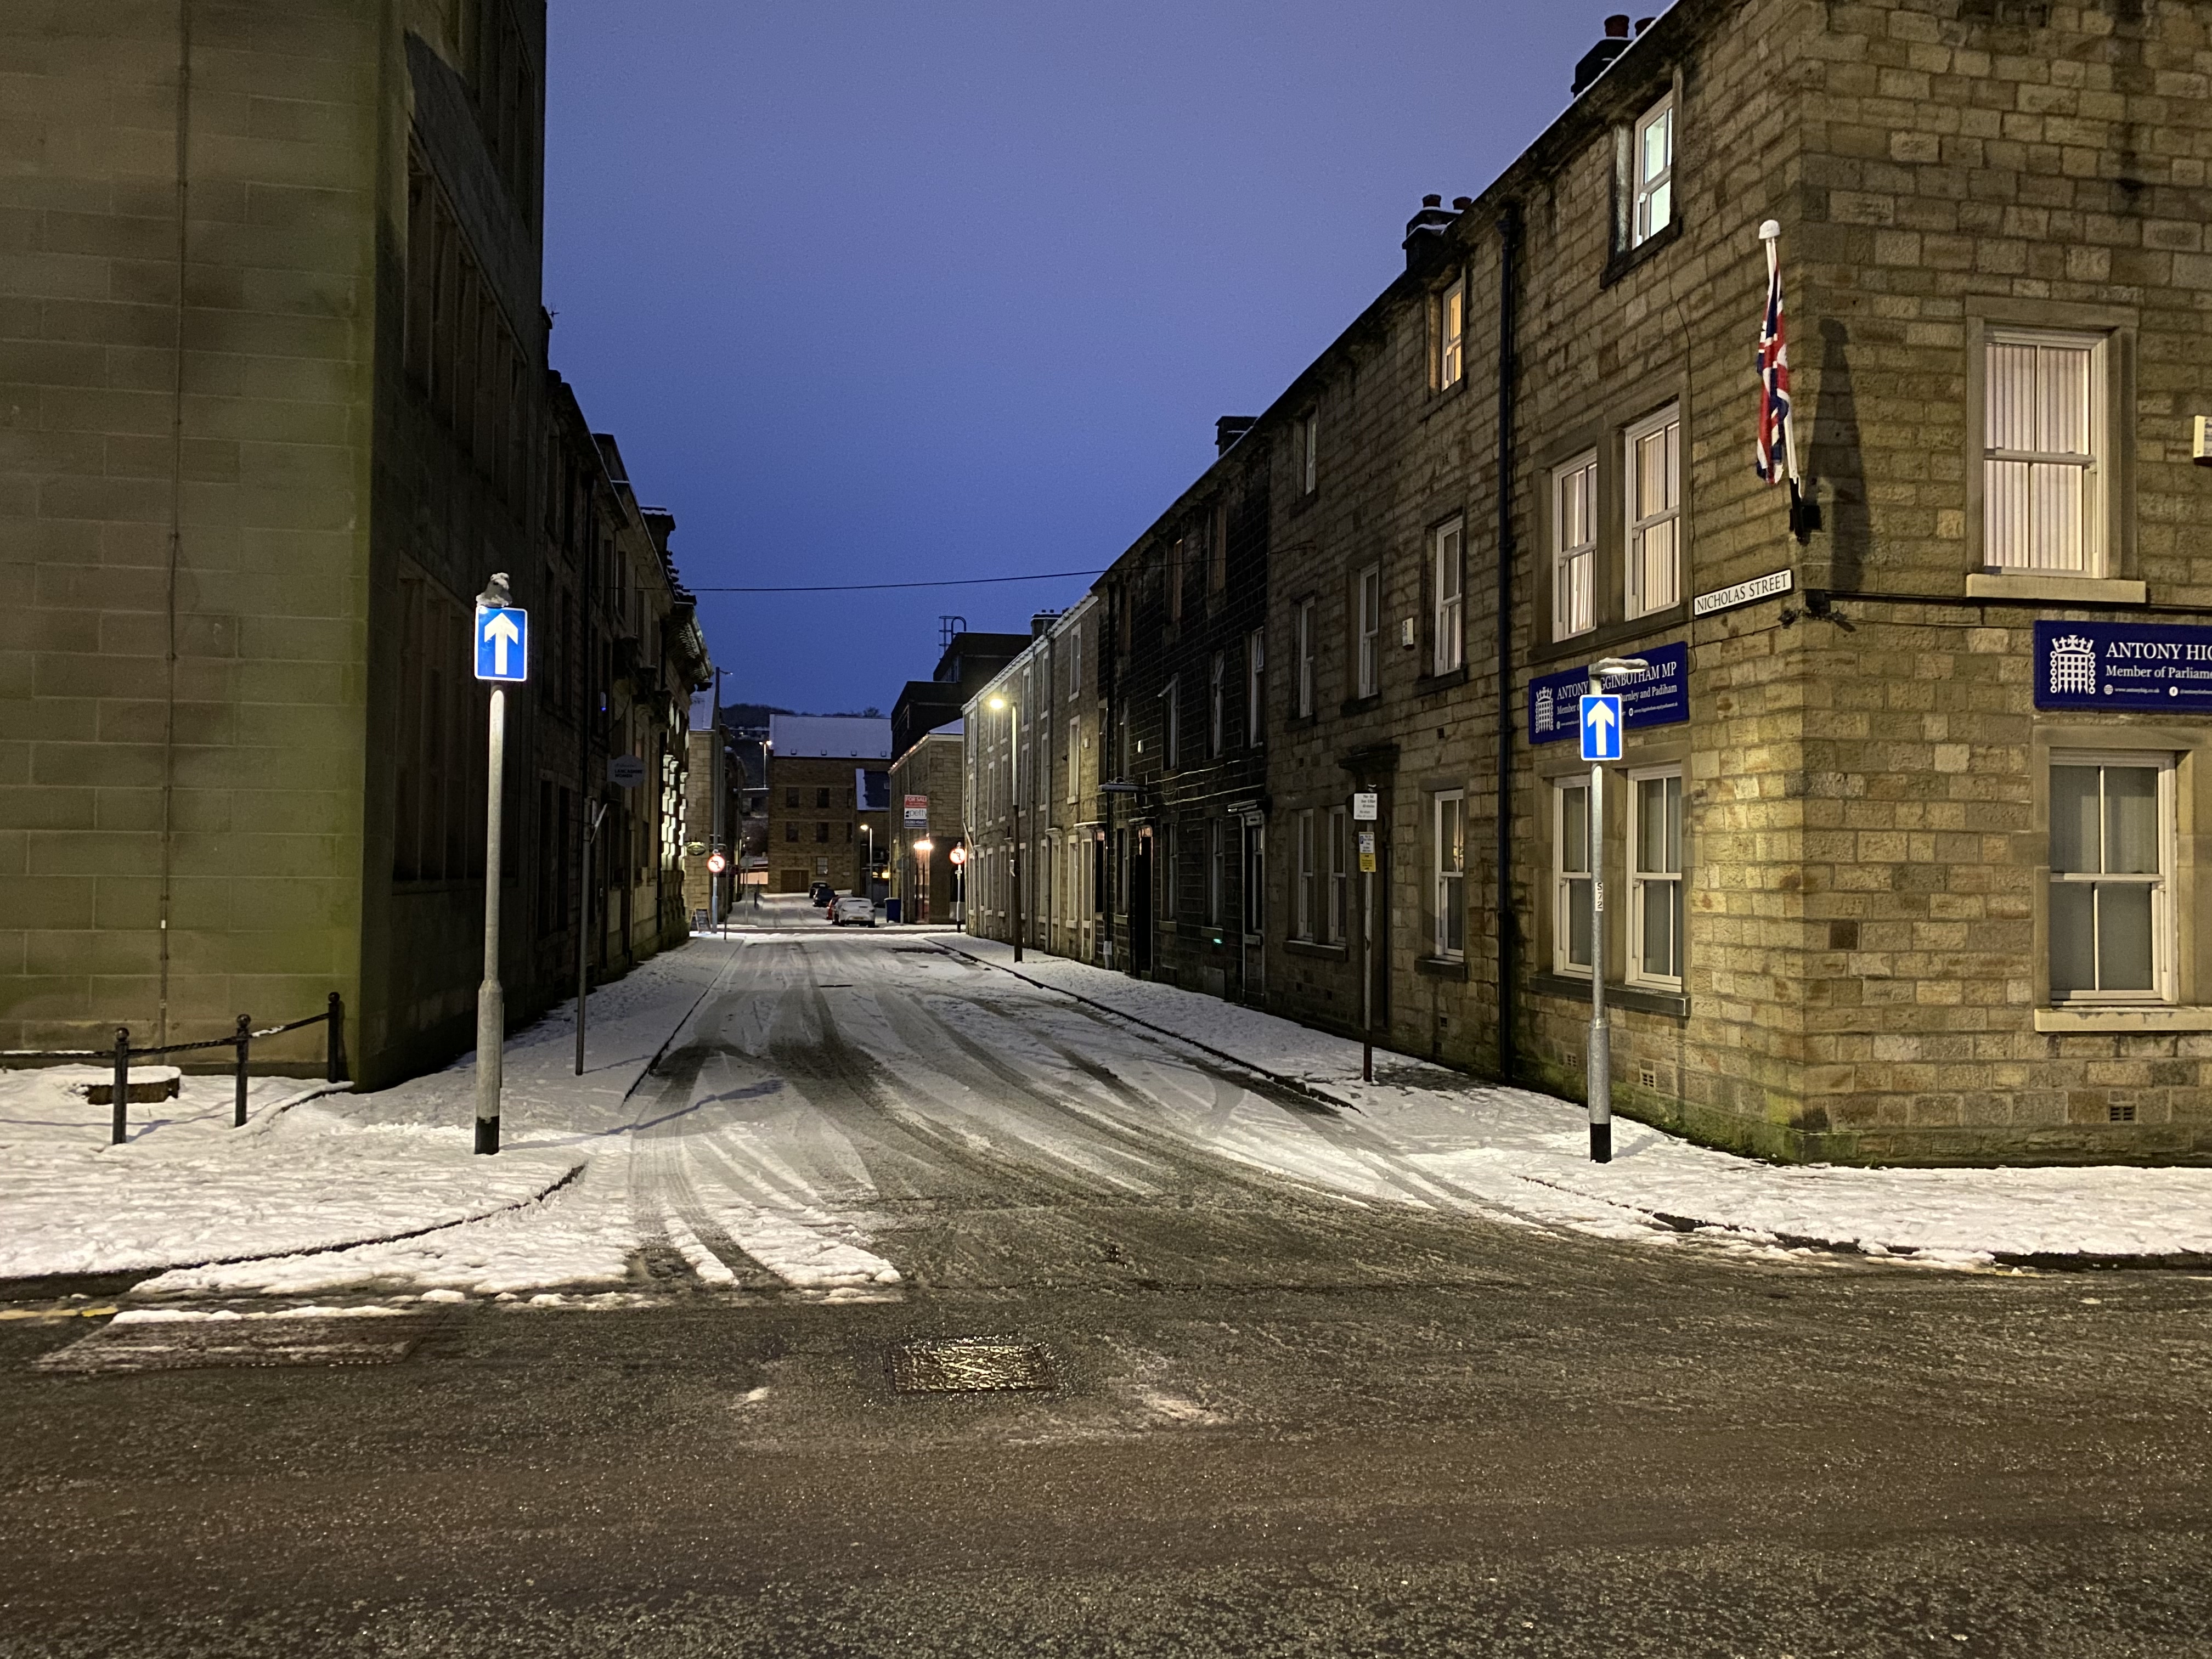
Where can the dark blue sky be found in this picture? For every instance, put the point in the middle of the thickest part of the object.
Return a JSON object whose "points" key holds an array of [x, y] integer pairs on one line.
{"points": [[873, 291]]}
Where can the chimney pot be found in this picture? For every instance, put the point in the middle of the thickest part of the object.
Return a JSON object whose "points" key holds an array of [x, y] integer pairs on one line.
{"points": [[1229, 429], [1642, 24], [1432, 201], [1616, 26]]}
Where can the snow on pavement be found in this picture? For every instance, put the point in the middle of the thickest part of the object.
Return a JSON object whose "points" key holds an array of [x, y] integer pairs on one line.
{"points": [[1527, 1154]]}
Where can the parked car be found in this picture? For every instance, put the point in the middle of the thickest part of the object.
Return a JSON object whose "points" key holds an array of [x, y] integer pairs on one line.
{"points": [[824, 895], [853, 907]]}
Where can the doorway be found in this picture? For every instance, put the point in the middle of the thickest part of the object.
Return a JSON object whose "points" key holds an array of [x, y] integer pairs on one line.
{"points": [[1140, 906]]}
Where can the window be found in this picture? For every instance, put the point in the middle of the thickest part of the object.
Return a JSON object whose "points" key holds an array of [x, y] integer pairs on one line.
{"points": [[1310, 454], [1450, 894], [1571, 866], [1305, 659], [821, 798], [1655, 881], [1175, 581], [1255, 687], [1574, 548], [1450, 574], [1653, 174], [1451, 335], [1075, 661], [1304, 898], [1371, 627], [2042, 431], [790, 797], [1655, 509], [1216, 710], [1337, 915], [1254, 862], [821, 831], [1217, 565], [1174, 722], [1074, 766], [790, 831], [1217, 872], [2112, 908]]}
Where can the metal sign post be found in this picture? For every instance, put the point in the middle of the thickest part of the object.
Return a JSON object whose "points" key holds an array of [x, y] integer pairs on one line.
{"points": [[502, 657], [1601, 742], [594, 812], [1366, 808]]}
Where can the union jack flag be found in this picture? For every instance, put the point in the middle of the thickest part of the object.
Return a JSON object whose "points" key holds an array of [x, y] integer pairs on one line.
{"points": [[1776, 458]]}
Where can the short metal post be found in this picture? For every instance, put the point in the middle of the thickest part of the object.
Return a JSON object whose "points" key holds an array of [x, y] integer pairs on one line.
{"points": [[122, 1085], [244, 1037], [1367, 1061], [335, 1066]]}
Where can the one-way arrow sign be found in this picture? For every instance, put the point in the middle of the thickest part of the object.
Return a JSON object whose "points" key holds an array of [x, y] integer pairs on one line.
{"points": [[502, 643], [1601, 728]]}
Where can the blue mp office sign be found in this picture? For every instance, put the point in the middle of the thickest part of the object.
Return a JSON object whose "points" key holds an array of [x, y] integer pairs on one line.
{"points": [[1658, 696], [2133, 666]]}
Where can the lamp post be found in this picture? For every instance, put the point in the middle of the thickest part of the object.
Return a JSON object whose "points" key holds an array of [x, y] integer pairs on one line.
{"points": [[1598, 1068], [1014, 769], [958, 855], [921, 850]]}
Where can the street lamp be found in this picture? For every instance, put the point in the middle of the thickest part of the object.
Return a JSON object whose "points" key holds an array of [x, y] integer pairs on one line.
{"points": [[959, 857], [1014, 767], [1598, 1071]]}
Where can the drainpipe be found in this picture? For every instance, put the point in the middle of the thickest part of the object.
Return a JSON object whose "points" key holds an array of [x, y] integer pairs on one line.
{"points": [[1509, 250]]}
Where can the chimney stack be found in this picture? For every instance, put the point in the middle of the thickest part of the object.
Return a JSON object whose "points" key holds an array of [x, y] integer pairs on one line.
{"points": [[1426, 229], [1229, 429], [1599, 58]]}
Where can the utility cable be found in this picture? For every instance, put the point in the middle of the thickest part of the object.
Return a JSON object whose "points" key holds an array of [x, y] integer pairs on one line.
{"points": [[878, 587]]}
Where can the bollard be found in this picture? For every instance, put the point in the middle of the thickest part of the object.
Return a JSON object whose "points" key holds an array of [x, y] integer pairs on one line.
{"points": [[122, 1085], [245, 1036], [336, 1071], [1367, 1061]]}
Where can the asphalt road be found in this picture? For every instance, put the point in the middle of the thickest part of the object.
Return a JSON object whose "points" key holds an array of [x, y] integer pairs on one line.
{"points": [[1282, 1423]]}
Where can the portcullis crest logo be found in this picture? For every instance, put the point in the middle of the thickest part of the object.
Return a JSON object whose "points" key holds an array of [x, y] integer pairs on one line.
{"points": [[2073, 666]]}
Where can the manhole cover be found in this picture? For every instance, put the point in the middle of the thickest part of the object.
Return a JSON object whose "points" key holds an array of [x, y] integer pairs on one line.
{"points": [[971, 1364], [146, 1340]]}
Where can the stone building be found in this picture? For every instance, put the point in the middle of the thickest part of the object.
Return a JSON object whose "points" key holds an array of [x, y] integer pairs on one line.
{"points": [[274, 342], [823, 824], [1905, 848], [1033, 749], [926, 779]]}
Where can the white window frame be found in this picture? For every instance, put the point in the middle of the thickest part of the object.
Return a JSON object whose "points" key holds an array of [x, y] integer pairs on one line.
{"points": [[1306, 659], [1370, 603], [2164, 917], [1255, 688], [1216, 714], [2092, 464], [1074, 764], [1447, 877], [1568, 868], [1303, 903], [1252, 876], [1448, 576], [1643, 883], [1574, 547], [1217, 871], [1451, 334], [1336, 917], [1652, 188], [1648, 520], [1173, 758], [1309, 452]]}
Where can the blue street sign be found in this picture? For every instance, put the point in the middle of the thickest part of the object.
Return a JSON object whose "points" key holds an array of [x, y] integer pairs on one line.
{"points": [[502, 642], [1601, 728]]}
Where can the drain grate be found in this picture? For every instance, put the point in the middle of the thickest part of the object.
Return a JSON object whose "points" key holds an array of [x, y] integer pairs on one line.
{"points": [[157, 1343], [972, 1365]]}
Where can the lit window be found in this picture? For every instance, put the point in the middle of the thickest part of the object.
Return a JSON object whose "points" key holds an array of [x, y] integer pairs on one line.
{"points": [[1574, 548], [1448, 574], [1654, 172], [1654, 512], [1371, 627], [1570, 866], [1654, 895], [1450, 894], [2111, 906], [2042, 489], [1451, 335]]}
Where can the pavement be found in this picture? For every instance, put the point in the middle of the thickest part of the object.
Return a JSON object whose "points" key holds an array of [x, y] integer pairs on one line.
{"points": [[1291, 1392]]}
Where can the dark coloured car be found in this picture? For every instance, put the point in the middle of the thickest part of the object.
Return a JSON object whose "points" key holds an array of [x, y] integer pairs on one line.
{"points": [[824, 895]]}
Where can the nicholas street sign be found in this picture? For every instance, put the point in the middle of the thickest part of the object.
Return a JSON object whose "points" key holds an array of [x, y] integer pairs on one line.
{"points": [[1601, 716], [502, 643]]}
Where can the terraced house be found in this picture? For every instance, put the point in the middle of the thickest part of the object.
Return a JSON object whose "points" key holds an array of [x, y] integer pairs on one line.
{"points": [[1904, 856]]}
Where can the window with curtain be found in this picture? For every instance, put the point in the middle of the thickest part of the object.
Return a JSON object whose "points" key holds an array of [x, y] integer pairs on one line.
{"points": [[1255, 687], [1450, 893], [1302, 905], [1654, 898], [1571, 878], [1305, 659], [1655, 510], [2042, 420], [2112, 914], [1451, 335], [1447, 574], [1337, 915], [1652, 166], [1574, 548], [1370, 603]]}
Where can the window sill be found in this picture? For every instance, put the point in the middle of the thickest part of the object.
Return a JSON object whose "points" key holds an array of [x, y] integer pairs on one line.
{"points": [[1598, 642], [1301, 722], [1361, 705], [1675, 1004], [1441, 967], [1306, 947], [1429, 685], [2057, 590], [2061, 1020], [1628, 259]]}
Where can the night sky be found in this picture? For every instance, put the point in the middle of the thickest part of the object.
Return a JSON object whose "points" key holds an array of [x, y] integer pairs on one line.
{"points": [[876, 291]]}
